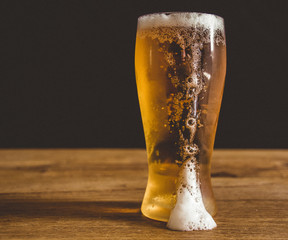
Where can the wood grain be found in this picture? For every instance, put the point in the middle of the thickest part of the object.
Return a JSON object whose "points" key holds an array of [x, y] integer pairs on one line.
{"points": [[97, 194]]}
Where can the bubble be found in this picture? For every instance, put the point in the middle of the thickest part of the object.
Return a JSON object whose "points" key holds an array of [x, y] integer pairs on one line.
{"points": [[193, 149], [191, 91], [191, 121]]}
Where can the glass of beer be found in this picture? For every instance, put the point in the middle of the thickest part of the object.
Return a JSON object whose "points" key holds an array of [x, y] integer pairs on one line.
{"points": [[180, 62]]}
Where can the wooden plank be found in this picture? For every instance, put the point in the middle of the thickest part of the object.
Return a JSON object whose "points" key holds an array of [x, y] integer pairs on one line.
{"points": [[97, 193]]}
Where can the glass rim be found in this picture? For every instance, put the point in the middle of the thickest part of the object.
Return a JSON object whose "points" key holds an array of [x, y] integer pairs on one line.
{"points": [[179, 12]]}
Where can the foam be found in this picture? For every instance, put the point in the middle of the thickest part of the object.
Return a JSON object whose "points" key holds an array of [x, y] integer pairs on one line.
{"points": [[181, 19], [189, 213]]}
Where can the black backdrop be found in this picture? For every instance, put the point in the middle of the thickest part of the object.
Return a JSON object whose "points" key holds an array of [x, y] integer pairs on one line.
{"points": [[67, 72]]}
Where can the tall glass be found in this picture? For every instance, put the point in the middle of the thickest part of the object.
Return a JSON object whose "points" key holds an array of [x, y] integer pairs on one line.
{"points": [[180, 66]]}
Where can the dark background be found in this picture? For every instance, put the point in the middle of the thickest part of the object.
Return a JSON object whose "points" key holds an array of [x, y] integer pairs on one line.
{"points": [[67, 72]]}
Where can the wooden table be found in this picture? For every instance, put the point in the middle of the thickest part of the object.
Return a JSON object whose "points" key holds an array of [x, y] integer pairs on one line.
{"points": [[96, 194]]}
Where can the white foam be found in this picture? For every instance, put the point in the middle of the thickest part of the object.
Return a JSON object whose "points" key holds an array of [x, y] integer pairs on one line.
{"points": [[189, 212], [181, 19]]}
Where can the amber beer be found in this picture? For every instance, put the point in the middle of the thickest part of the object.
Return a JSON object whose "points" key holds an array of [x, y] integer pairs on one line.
{"points": [[180, 66]]}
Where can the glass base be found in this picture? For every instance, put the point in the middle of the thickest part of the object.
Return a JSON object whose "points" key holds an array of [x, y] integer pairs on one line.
{"points": [[158, 212]]}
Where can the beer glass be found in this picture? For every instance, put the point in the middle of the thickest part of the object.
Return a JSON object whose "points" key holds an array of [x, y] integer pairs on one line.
{"points": [[180, 63]]}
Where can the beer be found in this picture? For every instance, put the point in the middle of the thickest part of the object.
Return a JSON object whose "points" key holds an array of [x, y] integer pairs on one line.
{"points": [[180, 63]]}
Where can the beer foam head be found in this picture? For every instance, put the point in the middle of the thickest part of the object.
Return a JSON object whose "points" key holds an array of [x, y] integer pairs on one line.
{"points": [[181, 19]]}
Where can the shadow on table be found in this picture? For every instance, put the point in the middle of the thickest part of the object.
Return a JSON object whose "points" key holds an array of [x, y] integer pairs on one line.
{"points": [[106, 210]]}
